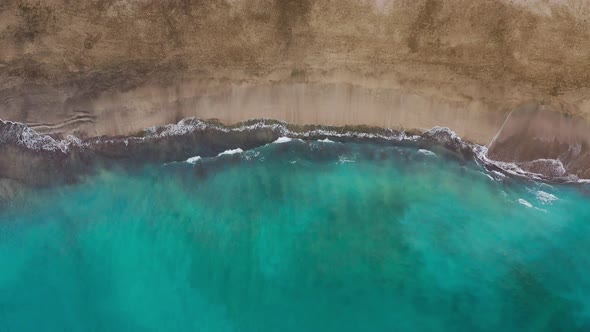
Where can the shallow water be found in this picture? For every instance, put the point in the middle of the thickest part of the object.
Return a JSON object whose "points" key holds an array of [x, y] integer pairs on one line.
{"points": [[299, 236]]}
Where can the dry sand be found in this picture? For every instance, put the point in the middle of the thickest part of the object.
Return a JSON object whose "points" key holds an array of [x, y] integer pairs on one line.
{"points": [[114, 67]]}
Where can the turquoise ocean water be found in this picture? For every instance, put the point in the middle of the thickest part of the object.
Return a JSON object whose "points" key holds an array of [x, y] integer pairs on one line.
{"points": [[299, 236]]}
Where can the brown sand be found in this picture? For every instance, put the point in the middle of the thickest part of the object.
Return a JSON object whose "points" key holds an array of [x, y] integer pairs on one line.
{"points": [[328, 103], [113, 67]]}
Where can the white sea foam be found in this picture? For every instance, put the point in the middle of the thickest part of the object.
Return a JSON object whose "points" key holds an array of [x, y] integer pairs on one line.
{"points": [[549, 166], [193, 160], [515, 169], [495, 175], [445, 135], [499, 174], [525, 203], [190, 125], [444, 131], [283, 139], [426, 152], [21, 134], [546, 198], [183, 127], [510, 168], [252, 154], [344, 159], [230, 152]]}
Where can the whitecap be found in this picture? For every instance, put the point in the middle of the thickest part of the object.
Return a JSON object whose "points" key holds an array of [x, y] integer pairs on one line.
{"points": [[183, 127], [252, 154], [193, 160], [550, 167], [230, 152], [525, 203], [426, 152], [21, 134], [508, 167], [346, 159], [546, 198], [499, 174], [494, 175], [283, 139]]}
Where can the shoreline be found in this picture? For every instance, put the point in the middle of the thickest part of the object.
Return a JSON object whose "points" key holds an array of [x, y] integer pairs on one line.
{"points": [[396, 100], [508, 75], [103, 68], [37, 160]]}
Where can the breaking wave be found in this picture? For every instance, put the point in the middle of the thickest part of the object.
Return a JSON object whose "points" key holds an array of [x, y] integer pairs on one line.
{"points": [[18, 134]]}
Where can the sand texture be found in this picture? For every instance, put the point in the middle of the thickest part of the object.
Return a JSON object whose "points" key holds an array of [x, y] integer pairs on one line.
{"points": [[115, 67]]}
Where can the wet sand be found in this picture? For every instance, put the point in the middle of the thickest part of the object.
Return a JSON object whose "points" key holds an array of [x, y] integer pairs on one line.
{"points": [[321, 103]]}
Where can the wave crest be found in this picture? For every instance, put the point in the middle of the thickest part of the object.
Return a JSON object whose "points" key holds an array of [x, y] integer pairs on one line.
{"points": [[175, 142]]}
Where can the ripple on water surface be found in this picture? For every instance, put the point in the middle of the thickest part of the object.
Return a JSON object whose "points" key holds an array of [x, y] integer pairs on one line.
{"points": [[299, 236]]}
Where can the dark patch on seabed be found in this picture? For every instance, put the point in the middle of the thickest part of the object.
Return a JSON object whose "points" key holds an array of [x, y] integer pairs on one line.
{"points": [[343, 235]]}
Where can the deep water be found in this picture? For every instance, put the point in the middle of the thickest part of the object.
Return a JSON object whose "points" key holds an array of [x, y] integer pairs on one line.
{"points": [[299, 236]]}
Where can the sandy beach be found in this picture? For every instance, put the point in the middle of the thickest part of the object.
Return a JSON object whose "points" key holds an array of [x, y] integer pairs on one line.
{"points": [[114, 68]]}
